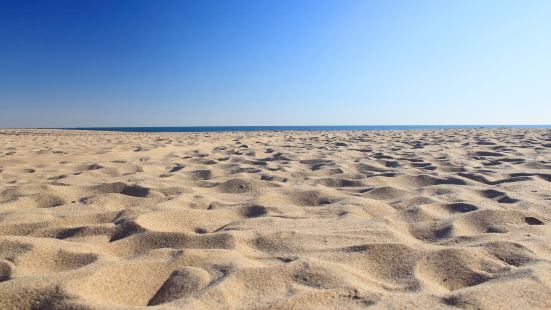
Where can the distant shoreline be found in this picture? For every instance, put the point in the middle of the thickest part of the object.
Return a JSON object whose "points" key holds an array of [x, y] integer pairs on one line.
{"points": [[295, 128]]}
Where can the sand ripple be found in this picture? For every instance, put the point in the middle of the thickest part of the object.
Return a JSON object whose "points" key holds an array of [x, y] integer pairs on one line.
{"points": [[392, 219]]}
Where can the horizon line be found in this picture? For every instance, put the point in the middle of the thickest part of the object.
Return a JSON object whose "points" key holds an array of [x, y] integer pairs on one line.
{"points": [[249, 126]]}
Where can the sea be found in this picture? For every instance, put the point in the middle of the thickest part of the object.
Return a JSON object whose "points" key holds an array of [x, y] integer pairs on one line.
{"points": [[298, 128]]}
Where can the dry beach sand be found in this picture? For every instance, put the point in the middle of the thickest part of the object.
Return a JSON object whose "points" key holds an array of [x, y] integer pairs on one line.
{"points": [[304, 220]]}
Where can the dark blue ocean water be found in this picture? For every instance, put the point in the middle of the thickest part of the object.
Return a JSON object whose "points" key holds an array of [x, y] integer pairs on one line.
{"points": [[307, 128]]}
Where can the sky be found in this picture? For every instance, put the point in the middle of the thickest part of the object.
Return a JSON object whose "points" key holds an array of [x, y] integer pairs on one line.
{"points": [[80, 63]]}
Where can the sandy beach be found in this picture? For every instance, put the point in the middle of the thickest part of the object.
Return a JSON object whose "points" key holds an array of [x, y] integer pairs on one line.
{"points": [[456, 218]]}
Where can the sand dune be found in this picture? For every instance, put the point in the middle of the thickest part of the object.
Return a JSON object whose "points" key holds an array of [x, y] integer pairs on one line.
{"points": [[305, 220]]}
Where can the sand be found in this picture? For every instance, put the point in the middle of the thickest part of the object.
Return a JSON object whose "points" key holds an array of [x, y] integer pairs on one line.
{"points": [[303, 220]]}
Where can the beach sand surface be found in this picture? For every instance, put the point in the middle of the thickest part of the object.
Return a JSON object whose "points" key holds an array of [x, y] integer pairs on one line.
{"points": [[439, 219]]}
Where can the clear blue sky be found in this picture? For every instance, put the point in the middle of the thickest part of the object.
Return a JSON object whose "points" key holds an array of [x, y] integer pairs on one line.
{"points": [[230, 62]]}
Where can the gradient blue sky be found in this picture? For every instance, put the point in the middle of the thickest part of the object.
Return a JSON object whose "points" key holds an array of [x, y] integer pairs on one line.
{"points": [[165, 63]]}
